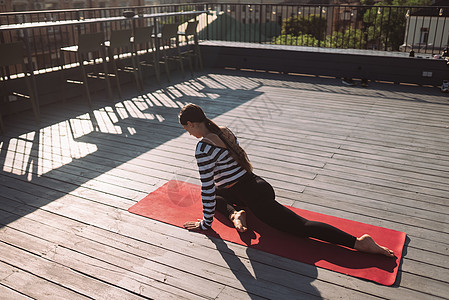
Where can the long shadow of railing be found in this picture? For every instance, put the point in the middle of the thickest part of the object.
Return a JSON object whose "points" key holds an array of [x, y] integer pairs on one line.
{"points": [[255, 279], [42, 164], [72, 146]]}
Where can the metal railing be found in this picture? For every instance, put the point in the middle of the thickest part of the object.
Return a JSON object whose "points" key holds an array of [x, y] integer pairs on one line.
{"points": [[45, 42], [383, 28]]}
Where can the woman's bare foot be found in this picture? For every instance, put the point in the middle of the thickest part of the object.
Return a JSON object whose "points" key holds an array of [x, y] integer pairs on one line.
{"points": [[239, 220], [365, 243]]}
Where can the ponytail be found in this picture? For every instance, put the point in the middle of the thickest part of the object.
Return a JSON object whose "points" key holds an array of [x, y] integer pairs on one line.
{"points": [[236, 151]]}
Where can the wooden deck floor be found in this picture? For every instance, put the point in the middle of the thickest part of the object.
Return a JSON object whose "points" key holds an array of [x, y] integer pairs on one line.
{"points": [[378, 155]]}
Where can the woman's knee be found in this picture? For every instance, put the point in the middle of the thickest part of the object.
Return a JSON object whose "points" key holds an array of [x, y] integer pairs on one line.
{"points": [[265, 189]]}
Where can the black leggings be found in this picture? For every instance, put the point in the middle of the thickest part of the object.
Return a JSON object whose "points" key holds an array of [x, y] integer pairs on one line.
{"points": [[258, 195]]}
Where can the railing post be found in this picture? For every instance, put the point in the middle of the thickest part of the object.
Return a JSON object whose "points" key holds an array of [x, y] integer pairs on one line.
{"points": [[260, 23], [31, 70], [319, 35], [388, 29], [207, 21]]}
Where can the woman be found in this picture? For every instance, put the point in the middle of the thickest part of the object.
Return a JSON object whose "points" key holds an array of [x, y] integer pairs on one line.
{"points": [[228, 185]]}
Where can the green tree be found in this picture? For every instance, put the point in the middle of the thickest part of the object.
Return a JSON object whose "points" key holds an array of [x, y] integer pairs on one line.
{"points": [[298, 40], [385, 22], [314, 25], [350, 38], [399, 2]]}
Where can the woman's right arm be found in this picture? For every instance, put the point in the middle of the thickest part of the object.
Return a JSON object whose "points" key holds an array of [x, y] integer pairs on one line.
{"points": [[206, 165]]}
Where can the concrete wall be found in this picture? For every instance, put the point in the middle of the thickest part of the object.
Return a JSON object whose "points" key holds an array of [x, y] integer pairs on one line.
{"points": [[338, 63]]}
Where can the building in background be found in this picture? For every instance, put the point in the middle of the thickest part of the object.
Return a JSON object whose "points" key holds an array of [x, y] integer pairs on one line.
{"points": [[427, 28], [27, 5]]}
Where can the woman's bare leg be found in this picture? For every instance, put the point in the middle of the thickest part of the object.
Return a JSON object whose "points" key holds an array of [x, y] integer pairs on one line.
{"points": [[238, 218], [365, 243]]}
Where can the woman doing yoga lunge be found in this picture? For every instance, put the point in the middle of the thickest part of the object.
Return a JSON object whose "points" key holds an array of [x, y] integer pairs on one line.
{"points": [[228, 185]]}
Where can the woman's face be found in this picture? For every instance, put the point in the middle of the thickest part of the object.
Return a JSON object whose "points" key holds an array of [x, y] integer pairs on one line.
{"points": [[192, 129]]}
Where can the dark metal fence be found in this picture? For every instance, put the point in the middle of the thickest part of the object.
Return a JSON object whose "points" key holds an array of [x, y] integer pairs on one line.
{"points": [[46, 40], [384, 28]]}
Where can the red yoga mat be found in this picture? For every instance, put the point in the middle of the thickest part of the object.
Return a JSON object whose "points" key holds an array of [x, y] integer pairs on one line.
{"points": [[177, 202]]}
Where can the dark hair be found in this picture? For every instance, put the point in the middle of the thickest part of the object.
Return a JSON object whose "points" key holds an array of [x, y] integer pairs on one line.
{"points": [[194, 113]]}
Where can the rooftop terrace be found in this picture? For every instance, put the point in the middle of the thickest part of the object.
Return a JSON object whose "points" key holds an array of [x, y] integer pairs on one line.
{"points": [[377, 155]]}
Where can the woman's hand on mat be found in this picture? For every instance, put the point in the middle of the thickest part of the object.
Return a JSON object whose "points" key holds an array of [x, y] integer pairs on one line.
{"points": [[192, 225]]}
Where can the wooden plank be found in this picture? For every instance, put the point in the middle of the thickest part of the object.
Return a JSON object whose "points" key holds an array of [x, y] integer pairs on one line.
{"points": [[30, 286], [7, 293], [394, 206], [60, 275], [409, 156], [372, 186], [83, 176], [400, 170], [375, 115], [382, 181], [103, 264], [229, 294], [395, 178]]}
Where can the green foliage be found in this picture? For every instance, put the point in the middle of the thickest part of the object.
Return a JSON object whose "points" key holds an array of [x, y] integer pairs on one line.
{"points": [[313, 25], [398, 2], [367, 2], [350, 38], [297, 40], [386, 25]]}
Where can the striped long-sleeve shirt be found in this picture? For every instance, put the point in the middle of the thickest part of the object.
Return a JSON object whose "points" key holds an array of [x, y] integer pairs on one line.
{"points": [[217, 168]]}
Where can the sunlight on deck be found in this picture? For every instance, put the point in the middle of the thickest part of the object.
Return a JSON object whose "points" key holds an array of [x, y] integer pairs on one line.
{"points": [[375, 155], [38, 152], [54, 147]]}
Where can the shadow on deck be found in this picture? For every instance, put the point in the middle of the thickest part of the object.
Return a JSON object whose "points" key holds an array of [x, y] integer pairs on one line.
{"points": [[78, 171]]}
